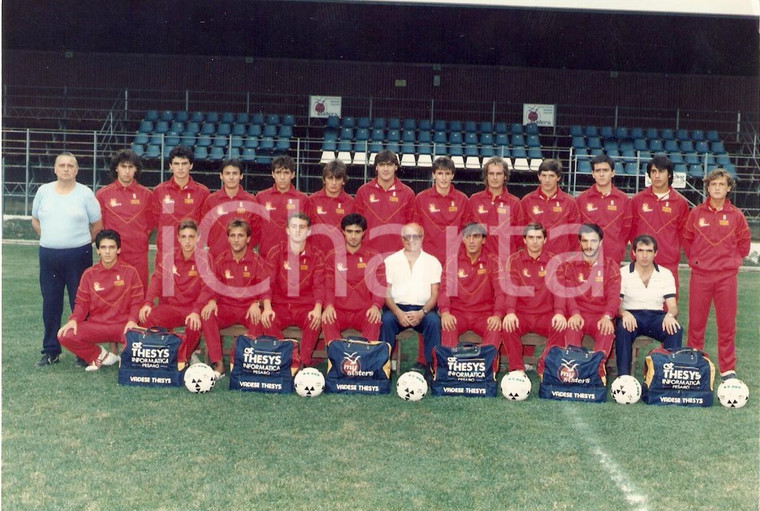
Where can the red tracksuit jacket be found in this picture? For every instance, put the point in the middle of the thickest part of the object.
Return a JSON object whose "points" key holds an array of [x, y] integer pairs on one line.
{"points": [[478, 287], [435, 212], [391, 208], [716, 240], [130, 211], [594, 288], [663, 219], [237, 279], [174, 204], [553, 212], [112, 295], [228, 209], [328, 211], [280, 206], [188, 290], [299, 279], [363, 286], [498, 213], [525, 272], [611, 212]]}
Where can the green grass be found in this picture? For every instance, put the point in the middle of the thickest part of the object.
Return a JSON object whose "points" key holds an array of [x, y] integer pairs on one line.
{"points": [[76, 440]]}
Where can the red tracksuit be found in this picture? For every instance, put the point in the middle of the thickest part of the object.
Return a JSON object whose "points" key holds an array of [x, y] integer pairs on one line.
{"points": [[716, 241], [225, 209], [611, 212], [499, 214], [298, 286], [236, 286], [174, 204], [471, 292], [558, 214], [280, 206], [107, 298], [353, 283], [528, 295], [386, 212], [326, 213], [435, 213], [182, 294], [130, 211], [663, 219]]}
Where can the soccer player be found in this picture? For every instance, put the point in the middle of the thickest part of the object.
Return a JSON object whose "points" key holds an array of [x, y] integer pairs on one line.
{"points": [[386, 203], [553, 208], [497, 209], [128, 208], [227, 204], [717, 239], [354, 284], [328, 206], [298, 271], [661, 212], [530, 304], [471, 295], [281, 201], [179, 197], [414, 278], [644, 287], [606, 206], [107, 304], [178, 286], [241, 285], [442, 211]]}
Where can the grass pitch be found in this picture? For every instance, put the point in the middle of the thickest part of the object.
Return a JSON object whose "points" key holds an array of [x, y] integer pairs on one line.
{"points": [[76, 440]]}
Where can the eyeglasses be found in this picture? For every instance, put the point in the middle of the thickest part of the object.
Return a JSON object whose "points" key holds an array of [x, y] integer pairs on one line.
{"points": [[411, 237]]}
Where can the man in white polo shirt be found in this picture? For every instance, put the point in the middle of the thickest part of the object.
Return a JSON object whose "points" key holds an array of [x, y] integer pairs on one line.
{"points": [[645, 286], [413, 278]]}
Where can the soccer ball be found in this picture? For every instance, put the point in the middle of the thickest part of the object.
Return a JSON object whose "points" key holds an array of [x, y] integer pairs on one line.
{"points": [[309, 382], [199, 378], [515, 386], [411, 386], [626, 390], [733, 393]]}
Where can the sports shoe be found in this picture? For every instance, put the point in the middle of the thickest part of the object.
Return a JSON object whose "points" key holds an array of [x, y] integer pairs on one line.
{"points": [[530, 367], [730, 375], [419, 368], [79, 362], [194, 358], [47, 360], [106, 358], [218, 370]]}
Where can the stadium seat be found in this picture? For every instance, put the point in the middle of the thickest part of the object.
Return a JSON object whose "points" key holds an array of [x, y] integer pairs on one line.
{"points": [[394, 123], [251, 142], [533, 141], [408, 135], [712, 136], [500, 128], [637, 133], [156, 139], [578, 142], [652, 133], [535, 164], [348, 122], [502, 139], [378, 134], [286, 130], [576, 131], [717, 147], [288, 120], [266, 144], [682, 134], [282, 144], [470, 127], [610, 145], [171, 140], [516, 128], [378, 123], [424, 136], [594, 143], [644, 156], [606, 132], [161, 127], [671, 146], [177, 126], [193, 127], [680, 167], [591, 131], [440, 149], [327, 156], [227, 118], [472, 156], [257, 118], [581, 153], [346, 133], [631, 169], [625, 145], [141, 138], [249, 154], [363, 122], [597, 151], [409, 124], [455, 137], [667, 134], [198, 117], [619, 168], [455, 126], [239, 129], [424, 125], [254, 130], [640, 144], [332, 121], [219, 141], [584, 167], [236, 141], [362, 134], [203, 141], [519, 152], [233, 153], [139, 149], [471, 138], [212, 117], [675, 158], [152, 151], [687, 146], [691, 159], [709, 160], [655, 144], [425, 158], [360, 152], [456, 151], [534, 153], [242, 118], [439, 137], [223, 128], [697, 135], [151, 115], [439, 125], [200, 153], [486, 138], [487, 151], [531, 129], [208, 128], [273, 120], [167, 116], [270, 130], [621, 132], [394, 135], [408, 156], [723, 160], [521, 165], [696, 171], [502, 151], [702, 146]]}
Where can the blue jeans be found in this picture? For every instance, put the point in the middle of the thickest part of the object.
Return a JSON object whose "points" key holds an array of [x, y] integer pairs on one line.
{"points": [[650, 324], [59, 268], [429, 327]]}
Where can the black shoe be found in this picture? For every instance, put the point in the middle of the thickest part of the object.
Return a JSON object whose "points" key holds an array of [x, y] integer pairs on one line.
{"points": [[79, 362], [731, 375], [419, 368], [47, 360]]}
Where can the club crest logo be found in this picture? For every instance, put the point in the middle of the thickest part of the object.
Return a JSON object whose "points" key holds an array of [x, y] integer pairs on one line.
{"points": [[227, 274], [321, 210], [482, 210], [114, 202], [351, 365], [537, 210], [461, 273], [568, 371], [373, 199], [645, 208], [526, 272], [97, 287], [341, 267], [269, 207], [590, 207], [433, 209], [703, 222]]}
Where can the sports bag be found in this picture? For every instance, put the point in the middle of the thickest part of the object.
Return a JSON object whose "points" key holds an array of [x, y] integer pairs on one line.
{"points": [[465, 370], [678, 376], [573, 373], [149, 358], [358, 366], [264, 364]]}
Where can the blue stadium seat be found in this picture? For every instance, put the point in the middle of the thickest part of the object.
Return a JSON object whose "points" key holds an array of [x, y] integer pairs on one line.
{"points": [[208, 128], [177, 126], [227, 117], [408, 135], [611, 144], [696, 171], [424, 158], [667, 134], [141, 138], [655, 144], [139, 149], [671, 146], [502, 151], [576, 131], [709, 160], [621, 132], [631, 169], [517, 140], [254, 130], [273, 120], [456, 150], [625, 145], [282, 144], [582, 154], [486, 138], [440, 149], [590, 131], [393, 135], [153, 151], [361, 133], [652, 133], [233, 153], [470, 138], [683, 134], [330, 145], [455, 126], [236, 141], [361, 146], [251, 142], [519, 152], [486, 150], [532, 129], [156, 139], [691, 159], [675, 158], [151, 115], [257, 118], [167, 116], [619, 168], [346, 133], [270, 130], [712, 136], [439, 125], [516, 128], [332, 121], [193, 127], [203, 141], [612, 153], [424, 136], [378, 134], [687, 146], [363, 122], [161, 127], [424, 125], [697, 135], [378, 123], [410, 124], [455, 137], [637, 133], [535, 153], [198, 117], [216, 154], [286, 130], [606, 132], [171, 140], [594, 142], [348, 122], [578, 142], [223, 128], [200, 152], [249, 154], [717, 147], [242, 118], [597, 151], [213, 117], [439, 137], [394, 123], [470, 127], [680, 167], [584, 167], [533, 141], [702, 146], [500, 128], [344, 146], [645, 156], [502, 139], [394, 147], [288, 120], [640, 144], [239, 129], [219, 141]]}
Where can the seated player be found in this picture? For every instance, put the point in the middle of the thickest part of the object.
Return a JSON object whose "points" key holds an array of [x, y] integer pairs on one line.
{"points": [[181, 301], [644, 287], [298, 270], [413, 277], [241, 283], [530, 304], [107, 304], [471, 297], [354, 284]]}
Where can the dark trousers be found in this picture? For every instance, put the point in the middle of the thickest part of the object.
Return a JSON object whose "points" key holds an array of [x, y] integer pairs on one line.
{"points": [[429, 327], [649, 323], [59, 268]]}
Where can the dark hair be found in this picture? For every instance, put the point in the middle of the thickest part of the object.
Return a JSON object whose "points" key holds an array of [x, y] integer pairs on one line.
{"points": [[644, 239], [589, 228], [181, 151], [534, 226], [353, 219], [443, 163], [337, 169], [128, 156], [283, 162], [187, 223], [386, 156], [602, 158], [232, 163], [238, 224], [662, 163], [107, 234], [301, 216], [495, 160], [551, 165]]}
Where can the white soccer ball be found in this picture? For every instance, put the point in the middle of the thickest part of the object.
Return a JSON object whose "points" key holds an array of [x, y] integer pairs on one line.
{"points": [[199, 378], [411, 386], [309, 382], [626, 390], [733, 393], [516, 386]]}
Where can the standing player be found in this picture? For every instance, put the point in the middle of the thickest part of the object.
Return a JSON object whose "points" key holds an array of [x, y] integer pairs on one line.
{"points": [[717, 238], [128, 209], [661, 212], [328, 206], [442, 211], [497, 209], [354, 284], [554, 209], [227, 204], [386, 203], [179, 197], [281, 201], [182, 297], [298, 286], [108, 301], [606, 206]]}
